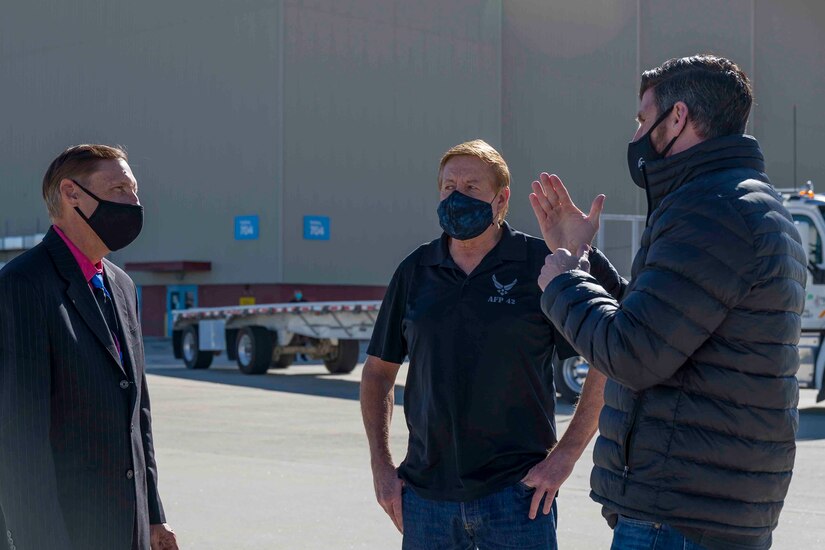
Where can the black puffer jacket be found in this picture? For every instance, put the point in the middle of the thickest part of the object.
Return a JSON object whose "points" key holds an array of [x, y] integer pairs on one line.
{"points": [[701, 414]]}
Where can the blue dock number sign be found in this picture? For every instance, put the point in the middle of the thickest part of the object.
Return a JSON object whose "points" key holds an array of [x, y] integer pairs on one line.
{"points": [[246, 228], [316, 228]]}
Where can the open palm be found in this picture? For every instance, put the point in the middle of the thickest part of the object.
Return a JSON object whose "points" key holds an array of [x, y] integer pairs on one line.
{"points": [[562, 224]]}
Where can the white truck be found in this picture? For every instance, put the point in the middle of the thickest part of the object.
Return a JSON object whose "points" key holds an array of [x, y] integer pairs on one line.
{"points": [[808, 211]]}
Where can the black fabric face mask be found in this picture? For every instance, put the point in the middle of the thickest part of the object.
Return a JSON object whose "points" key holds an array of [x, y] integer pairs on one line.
{"points": [[117, 225], [642, 151]]}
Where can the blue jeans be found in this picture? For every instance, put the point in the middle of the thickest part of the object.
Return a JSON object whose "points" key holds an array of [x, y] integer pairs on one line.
{"points": [[493, 522], [635, 534]]}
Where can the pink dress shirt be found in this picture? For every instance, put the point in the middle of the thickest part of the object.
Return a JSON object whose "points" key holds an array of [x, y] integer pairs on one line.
{"points": [[87, 267]]}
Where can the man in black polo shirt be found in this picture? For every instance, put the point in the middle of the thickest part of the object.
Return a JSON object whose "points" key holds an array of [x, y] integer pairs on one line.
{"points": [[483, 465]]}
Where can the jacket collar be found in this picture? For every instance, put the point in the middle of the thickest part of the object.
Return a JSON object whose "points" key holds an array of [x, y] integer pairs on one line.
{"points": [[81, 295], [86, 266], [64, 260], [666, 175]]}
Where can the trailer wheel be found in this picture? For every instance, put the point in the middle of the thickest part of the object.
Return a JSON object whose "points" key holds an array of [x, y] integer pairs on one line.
{"points": [[254, 350], [569, 376], [344, 358], [193, 357], [177, 344]]}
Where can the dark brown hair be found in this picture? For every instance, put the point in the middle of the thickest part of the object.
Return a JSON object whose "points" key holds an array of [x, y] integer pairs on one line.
{"points": [[75, 162], [718, 94]]}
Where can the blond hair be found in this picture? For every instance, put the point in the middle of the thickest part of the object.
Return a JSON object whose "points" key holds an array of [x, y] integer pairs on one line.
{"points": [[480, 149], [75, 162]]}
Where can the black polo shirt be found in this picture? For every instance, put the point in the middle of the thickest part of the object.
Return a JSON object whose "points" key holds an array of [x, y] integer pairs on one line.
{"points": [[479, 400]]}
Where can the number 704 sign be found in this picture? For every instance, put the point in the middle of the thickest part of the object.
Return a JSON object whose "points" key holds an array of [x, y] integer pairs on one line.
{"points": [[316, 228], [246, 228]]}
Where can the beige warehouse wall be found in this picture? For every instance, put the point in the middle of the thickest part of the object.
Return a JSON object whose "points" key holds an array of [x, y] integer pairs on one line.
{"points": [[571, 75], [569, 89], [190, 88], [375, 92], [342, 109], [790, 47], [571, 78], [674, 28]]}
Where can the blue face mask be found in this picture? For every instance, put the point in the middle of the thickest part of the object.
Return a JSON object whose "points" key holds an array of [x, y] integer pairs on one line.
{"points": [[463, 217]]}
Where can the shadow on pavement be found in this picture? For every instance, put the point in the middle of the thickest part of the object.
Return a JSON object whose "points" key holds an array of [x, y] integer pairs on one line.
{"points": [[811, 424], [317, 384], [321, 385]]}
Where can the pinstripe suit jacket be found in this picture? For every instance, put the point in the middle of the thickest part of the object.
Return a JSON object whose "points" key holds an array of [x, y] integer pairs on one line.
{"points": [[77, 464]]}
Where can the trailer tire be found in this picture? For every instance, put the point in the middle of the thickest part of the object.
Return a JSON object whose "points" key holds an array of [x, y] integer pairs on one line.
{"points": [[231, 336], [569, 376], [193, 356], [344, 358], [177, 344], [254, 350]]}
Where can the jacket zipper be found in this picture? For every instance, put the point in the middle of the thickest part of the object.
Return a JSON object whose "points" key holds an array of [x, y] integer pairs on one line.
{"points": [[628, 439], [643, 169]]}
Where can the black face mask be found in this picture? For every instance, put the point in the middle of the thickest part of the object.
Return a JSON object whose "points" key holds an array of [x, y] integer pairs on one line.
{"points": [[642, 151], [116, 224]]}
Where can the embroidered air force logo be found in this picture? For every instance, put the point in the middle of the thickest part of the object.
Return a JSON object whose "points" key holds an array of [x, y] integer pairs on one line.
{"points": [[503, 289]]}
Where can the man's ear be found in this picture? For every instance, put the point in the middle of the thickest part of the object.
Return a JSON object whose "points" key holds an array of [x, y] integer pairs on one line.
{"points": [[503, 200], [69, 192], [505, 195], [679, 117]]}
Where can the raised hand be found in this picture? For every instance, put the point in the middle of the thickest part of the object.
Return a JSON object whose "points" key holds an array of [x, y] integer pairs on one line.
{"points": [[562, 224]]}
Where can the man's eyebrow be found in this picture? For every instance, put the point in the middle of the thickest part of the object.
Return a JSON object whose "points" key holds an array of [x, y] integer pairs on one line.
{"points": [[127, 183]]}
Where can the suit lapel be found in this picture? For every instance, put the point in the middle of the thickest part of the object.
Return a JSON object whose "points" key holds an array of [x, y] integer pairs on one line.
{"points": [[122, 311], [80, 294]]}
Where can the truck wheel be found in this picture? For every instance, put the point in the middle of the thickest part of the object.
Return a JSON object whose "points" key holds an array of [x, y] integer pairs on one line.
{"points": [[193, 357], [254, 350], [344, 358], [569, 376]]}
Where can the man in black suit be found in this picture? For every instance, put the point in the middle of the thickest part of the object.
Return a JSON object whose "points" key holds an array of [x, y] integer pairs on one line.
{"points": [[77, 461]]}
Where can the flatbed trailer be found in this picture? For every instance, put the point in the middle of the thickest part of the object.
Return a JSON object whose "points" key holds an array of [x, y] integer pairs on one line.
{"points": [[270, 336]]}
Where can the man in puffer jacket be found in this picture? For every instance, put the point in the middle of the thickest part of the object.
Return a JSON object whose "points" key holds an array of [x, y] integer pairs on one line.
{"points": [[697, 436]]}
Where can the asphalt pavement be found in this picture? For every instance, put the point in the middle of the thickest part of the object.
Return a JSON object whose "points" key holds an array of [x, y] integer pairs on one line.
{"points": [[280, 461]]}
